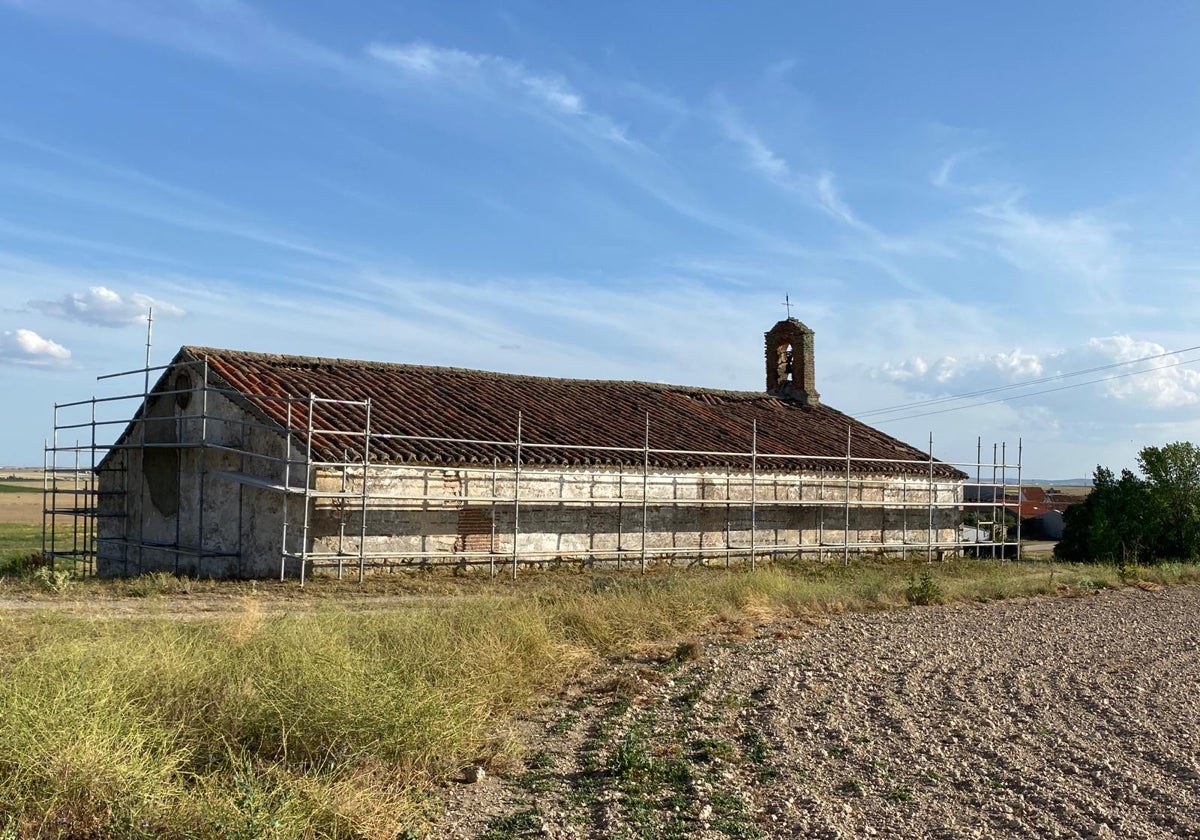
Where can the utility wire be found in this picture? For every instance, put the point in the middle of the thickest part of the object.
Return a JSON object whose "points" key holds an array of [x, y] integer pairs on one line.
{"points": [[1036, 393], [1027, 383]]}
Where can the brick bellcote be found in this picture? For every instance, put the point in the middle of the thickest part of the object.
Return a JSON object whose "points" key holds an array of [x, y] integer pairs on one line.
{"points": [[790, 368]]}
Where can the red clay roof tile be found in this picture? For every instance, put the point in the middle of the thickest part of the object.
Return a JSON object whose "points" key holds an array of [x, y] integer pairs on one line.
{"points": [[411, 401]]}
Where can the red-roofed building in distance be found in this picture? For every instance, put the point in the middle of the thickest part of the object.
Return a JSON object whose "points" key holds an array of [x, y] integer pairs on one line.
{"points": [[1040, 510]]}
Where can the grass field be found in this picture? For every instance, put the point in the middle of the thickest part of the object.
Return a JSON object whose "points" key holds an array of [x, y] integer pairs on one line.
{"points": [[20, 538], [328, 718]]}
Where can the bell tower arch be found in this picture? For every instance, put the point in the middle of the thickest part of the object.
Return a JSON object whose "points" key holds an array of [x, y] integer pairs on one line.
{"points": [[790, 367]]}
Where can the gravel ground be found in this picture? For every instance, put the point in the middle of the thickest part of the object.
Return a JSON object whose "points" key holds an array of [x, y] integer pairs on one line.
{"points": [[1075, 717]]}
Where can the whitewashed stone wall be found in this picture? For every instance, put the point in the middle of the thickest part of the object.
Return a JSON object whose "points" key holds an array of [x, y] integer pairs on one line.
{"points": [[414, 511], [152, 496]]}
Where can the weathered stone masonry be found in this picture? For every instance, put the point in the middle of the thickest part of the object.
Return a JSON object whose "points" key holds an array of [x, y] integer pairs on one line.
{"points": [[246, 465], [412, 512]]}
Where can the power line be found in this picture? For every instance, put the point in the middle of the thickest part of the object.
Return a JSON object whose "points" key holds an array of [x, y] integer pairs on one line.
{"points": [[1028, 383], [1037, 393]]}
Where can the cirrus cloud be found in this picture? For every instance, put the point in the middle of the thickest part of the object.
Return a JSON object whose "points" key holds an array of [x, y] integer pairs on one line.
{"points": [[501, 79]]}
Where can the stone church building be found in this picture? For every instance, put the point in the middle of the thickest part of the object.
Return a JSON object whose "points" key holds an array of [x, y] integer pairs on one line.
{"points": [[242, 464]]}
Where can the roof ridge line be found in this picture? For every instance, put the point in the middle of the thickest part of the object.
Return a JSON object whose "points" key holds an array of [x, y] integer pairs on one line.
{"points": [[199, 350]]}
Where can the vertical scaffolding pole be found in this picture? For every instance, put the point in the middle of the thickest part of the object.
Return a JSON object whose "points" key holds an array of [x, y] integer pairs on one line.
{"points": [[76, 503], [287, 492], [492, 544], [995, 490], [45, 491], [929, 558], [54, 490], [978, 489], [1020, 448], [312, 399], [180, 425], [728, 511], [645, 489], [516, 499], [141, 537], [753, 492], [1004, 495], [343, 489], [93, 498], [125, 492], [362, 533], [799, 517], [821, 518], [620, 509], [846, 506]]}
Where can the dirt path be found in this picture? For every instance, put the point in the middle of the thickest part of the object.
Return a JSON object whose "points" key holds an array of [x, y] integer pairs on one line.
{"points": [[1042, 718]]}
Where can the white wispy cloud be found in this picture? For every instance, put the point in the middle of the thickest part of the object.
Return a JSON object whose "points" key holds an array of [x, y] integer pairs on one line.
{"points": [[1078, 259], [831, 202], [106, 187], [487, 73], [942, 177], [819, 190], [235, 33], [427, 60], [759, 156], [100, 306], [228, 31], [25, 347], [1077, 254]]}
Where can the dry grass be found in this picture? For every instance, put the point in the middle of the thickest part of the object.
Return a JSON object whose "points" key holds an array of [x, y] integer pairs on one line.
{"points": [[297, 713]]}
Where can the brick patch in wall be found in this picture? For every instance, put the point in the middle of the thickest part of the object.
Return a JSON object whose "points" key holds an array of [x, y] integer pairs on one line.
{"points": [[474, 530]]}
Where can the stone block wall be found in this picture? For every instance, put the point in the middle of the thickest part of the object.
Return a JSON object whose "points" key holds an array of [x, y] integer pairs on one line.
{"points": [[169, 506], [414, 511]]}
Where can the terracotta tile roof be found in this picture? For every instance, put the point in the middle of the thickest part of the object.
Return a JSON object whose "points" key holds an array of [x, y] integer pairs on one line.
{"points": [[443, 402], [1033, 494], [1031, 501], [1026, 510]]}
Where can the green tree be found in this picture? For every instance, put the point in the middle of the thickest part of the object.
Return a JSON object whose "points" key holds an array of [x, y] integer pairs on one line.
{"points": [[1173, 475], [1139, 519], [1114, 524]]}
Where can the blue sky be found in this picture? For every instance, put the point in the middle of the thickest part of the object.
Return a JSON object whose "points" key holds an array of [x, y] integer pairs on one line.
{"points": [[955, 198]]}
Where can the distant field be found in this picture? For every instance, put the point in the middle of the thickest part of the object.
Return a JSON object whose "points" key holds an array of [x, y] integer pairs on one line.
{"points": [[20, 507], [21, 474], [1073, 491], [20, 496]]}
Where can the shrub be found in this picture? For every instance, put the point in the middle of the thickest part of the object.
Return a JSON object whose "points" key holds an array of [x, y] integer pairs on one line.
{"points": [[53, 580], [924, 590], [19, 564]]}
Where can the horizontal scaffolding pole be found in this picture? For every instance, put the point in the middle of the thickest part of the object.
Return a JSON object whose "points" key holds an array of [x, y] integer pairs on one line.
{"points": [[538, 556]]}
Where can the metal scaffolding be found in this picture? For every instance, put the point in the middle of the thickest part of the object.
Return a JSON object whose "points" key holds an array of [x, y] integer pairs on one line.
{"points": [[96, 492]]}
